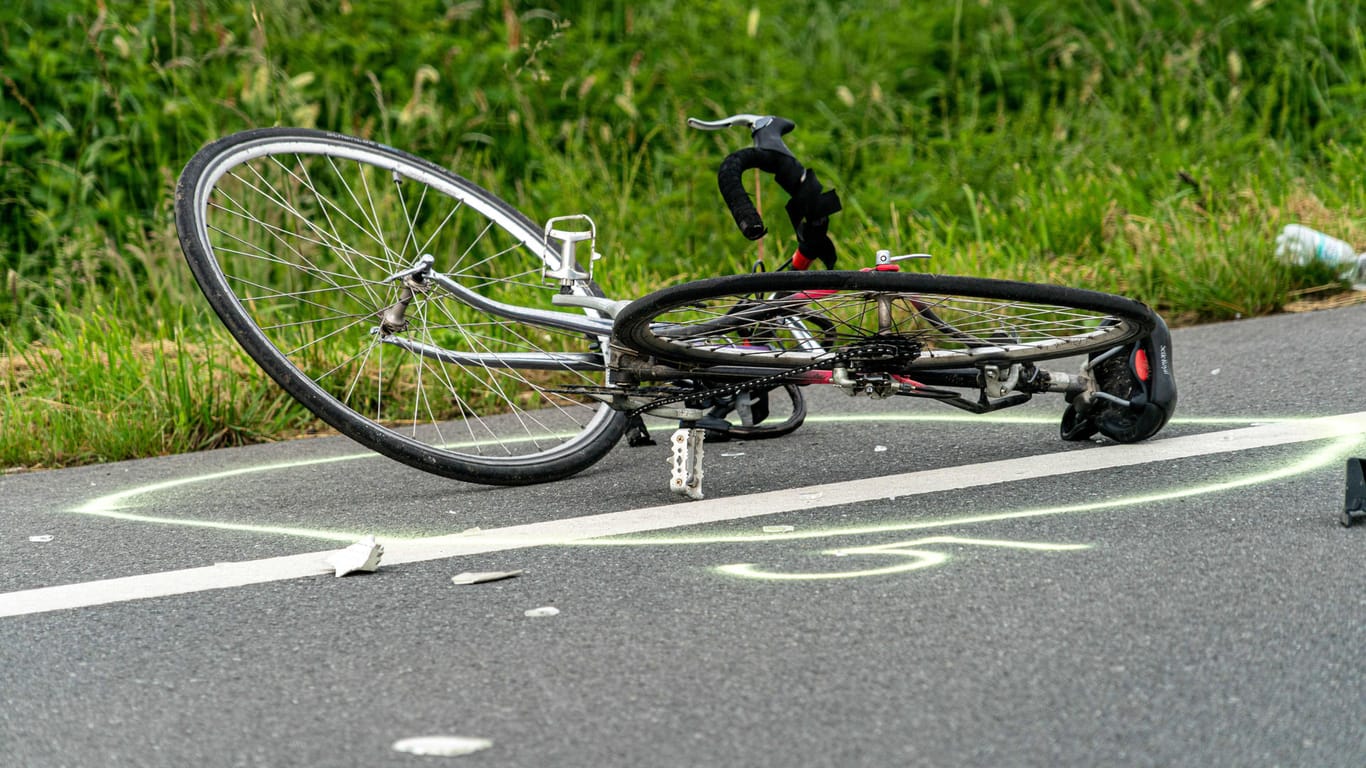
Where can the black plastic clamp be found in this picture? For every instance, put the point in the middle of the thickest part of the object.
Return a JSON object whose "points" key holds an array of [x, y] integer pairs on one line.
{"points": [[1354, 508]]}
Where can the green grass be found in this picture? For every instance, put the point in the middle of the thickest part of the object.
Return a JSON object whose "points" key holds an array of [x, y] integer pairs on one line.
{"points": [[1150, 149], [90, 392]]}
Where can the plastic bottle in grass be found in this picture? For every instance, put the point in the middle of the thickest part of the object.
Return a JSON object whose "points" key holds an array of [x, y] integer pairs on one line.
{"points": [[1298, 244]]}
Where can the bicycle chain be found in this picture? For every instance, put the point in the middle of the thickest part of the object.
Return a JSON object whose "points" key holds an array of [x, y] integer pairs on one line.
{"points": [[887, 351]]}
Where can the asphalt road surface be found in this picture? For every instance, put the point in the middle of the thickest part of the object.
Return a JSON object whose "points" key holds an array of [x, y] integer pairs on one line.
{"points": [[894, 584]]}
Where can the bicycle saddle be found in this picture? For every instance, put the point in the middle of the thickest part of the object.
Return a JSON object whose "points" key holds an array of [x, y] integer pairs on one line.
{"points": [[1136, 392]]}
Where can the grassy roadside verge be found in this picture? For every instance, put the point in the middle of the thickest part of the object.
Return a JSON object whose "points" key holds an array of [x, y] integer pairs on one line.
{"points": [[88, 391]]}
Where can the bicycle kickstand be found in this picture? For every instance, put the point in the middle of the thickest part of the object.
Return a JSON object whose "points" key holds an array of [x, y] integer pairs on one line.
{"points": [[685, 461]]}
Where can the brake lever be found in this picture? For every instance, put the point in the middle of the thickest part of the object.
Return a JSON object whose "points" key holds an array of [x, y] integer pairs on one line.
{"points": [[753, 122], [770, 139]]}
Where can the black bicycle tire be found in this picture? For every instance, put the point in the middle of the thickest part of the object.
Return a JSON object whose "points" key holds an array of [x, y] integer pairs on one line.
{"points": [[190, 204], [635, 323]]}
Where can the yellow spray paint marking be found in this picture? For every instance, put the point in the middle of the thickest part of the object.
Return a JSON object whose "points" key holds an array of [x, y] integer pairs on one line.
{"points": [[1342, 432], [1336, 451], [111, 506], [119, 505], [907, 550], [920, 559]]}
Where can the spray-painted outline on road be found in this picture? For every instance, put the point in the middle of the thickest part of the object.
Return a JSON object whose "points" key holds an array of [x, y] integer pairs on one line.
{"points": [[1344, 432]]}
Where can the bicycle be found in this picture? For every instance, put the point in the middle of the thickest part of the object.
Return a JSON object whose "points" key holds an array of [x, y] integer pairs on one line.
{"points": [[425, 318]]}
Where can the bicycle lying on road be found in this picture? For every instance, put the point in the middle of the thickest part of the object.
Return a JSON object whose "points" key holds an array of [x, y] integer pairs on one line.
{"points": [[430, 321]]}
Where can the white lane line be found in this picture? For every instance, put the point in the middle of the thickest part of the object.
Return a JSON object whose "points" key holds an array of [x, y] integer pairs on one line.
{"points": [[680, 514]]}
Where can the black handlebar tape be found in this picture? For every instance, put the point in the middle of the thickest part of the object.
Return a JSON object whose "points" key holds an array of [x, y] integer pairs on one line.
{"points": [[730, 178]]}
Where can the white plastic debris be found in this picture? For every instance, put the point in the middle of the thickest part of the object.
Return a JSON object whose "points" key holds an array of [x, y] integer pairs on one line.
{"points": [[779, 528], [442, 746], [41, 539], [1300, 245], [361, 557], [537, 613], [479, 577], [879, 448]]}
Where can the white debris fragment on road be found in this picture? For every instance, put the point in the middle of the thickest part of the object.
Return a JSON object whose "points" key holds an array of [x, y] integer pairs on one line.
{"points": [[479, 577], [441, 746], [361, 557]]}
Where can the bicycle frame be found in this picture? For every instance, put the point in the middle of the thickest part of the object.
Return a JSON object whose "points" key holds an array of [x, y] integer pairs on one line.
{"points": [[574, 322], [987, 379], [550, 361]]}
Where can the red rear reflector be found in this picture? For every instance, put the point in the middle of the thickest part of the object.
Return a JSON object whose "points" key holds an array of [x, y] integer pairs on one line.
{"points": [[1141, 364]]}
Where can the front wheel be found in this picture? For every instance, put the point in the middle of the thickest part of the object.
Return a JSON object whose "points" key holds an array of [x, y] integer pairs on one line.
{"points": [[313, 249]]}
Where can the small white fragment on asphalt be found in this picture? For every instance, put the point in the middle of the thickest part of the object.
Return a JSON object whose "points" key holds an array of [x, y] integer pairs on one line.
{"points": [[548, 610], [779, 528], [479, 577], [1215, 372], [734, 454], [879, 448], [361, 557], [42, 539], [442, 746]]}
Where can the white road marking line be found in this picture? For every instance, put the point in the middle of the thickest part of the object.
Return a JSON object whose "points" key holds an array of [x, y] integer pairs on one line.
{"points": [[681, 514]]}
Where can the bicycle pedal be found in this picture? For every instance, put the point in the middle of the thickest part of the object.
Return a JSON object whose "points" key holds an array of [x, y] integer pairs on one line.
{"points": [[685, 462]]}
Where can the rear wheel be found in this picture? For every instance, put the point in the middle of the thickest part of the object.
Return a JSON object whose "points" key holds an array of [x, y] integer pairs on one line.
{"points": [[916, 321], [301, 240]]}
